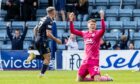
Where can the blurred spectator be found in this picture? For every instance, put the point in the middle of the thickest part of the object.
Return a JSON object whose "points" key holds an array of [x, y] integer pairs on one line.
{"points": [[105, 45], [116, 46], [71, 6], [131, 46], [50, 2], [60, 9], [31, 47], [28, 9], [82, 8], [16, 39], [12, 7], [72, 43], [124, 40]]}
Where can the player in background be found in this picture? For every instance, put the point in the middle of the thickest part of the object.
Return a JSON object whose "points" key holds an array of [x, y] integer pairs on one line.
{"points": [[90, 62], [42, 32]]}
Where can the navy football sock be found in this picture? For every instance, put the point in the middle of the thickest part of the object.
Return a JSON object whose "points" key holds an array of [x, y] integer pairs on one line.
{"points": [[44, 68]]}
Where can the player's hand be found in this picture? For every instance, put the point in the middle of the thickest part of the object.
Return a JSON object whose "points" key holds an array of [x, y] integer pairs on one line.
{"points": [[71, 16], [58, 41], [102, 14]]}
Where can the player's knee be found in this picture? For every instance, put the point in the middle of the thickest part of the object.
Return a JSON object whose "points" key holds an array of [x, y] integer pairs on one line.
{"points": [[46, 61]]}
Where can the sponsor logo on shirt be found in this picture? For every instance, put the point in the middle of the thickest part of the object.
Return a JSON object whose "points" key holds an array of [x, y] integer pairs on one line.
{"points": [[89, 41]]}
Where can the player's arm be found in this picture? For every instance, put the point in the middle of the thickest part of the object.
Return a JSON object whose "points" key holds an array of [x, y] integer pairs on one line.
{"points": [[50, 35], [8, 31], [72, 29], [35, 30], [24, 32], [102, 30]]}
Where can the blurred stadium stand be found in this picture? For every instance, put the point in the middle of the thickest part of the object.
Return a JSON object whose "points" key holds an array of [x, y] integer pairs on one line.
{"points": [[128, 17]]}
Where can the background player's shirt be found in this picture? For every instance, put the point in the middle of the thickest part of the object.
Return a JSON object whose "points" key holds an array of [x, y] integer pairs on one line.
{"points": [[44, 24], [91, 40]]}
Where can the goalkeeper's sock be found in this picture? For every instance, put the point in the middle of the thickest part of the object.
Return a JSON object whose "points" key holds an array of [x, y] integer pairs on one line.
{"points": [[44, 68]]}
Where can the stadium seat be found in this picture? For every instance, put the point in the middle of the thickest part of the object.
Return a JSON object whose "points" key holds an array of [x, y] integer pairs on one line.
{"points": [[130, 25], [18, 24], [91, 2], [3, 34], [115, 25], [32, 24], [77, 24], [116, 31], [111, 19], [3, 13], [138, 26], [111, 12], [125, 12], [78, 38], [101, 2], [60, 32], [84, 25], [66, 35], [111, 36], [114, 7], [29, 33], [26, 44], [137, 44], [129, 7], [114, 2], [6, 47], [136, 18], [61, 24], [61, 47], [43, 3], [125, 19], [129, 2], [90, 8], [98, 24], [41, 12], [81, 45], [3, 24], [101, 7], [136, 12], [137, 36]]}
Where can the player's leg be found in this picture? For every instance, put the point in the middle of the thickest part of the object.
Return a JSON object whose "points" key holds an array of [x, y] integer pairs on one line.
{"points": [[32, 55], [82, 73], [94, 72], [46, 62], [30, 58]]}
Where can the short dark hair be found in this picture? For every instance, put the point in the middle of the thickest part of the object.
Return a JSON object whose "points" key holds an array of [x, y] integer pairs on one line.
{"points": [[50, 9], [92, 20], [17, 30]]}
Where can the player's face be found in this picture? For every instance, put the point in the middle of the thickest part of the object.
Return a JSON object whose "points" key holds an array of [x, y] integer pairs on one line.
{"points": [[53, 13], [92, 26]]}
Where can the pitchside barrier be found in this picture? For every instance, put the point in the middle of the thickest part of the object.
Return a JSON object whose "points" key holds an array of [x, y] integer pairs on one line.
{"points": [[109, 59], [15, 60], [71, 60]]}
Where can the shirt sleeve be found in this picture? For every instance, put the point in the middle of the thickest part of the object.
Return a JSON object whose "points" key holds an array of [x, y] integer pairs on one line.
{"points": [[48, 24], [74, 31], [102, 30]]}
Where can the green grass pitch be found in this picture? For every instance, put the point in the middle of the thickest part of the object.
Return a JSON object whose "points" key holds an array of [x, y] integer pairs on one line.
{"points": [[64, 77]]}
